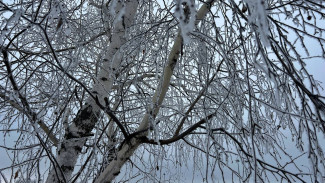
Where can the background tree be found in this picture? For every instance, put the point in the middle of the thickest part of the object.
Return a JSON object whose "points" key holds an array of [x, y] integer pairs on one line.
{"points": [[90, 89]]}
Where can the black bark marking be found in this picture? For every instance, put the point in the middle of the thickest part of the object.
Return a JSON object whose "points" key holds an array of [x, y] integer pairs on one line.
{"points": [[65, 168], [63, 147], [123, 21], [70, 135], [104, 79], [85, 120], [106, 101], [78, 148], [85, 113], [173, 63], [116, 173]]}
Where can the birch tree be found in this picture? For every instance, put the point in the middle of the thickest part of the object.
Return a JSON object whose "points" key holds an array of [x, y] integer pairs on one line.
{"points": [[162, 90]]}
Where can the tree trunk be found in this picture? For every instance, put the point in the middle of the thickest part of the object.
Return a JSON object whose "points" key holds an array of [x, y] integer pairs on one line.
{"points": [[77, 133], [129, 147]]}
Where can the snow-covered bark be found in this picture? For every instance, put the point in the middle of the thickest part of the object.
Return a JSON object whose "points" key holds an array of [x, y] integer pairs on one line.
{"points": [[258, 16], [77, 133], [219, 96], [130, 145]]}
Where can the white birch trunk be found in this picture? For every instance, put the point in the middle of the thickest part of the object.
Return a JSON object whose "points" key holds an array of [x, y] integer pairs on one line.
{"points": [[129, 147], [86, 119]]}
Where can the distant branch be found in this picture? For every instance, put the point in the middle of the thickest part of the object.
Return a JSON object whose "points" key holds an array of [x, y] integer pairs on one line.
{"points": [[28, 111]]}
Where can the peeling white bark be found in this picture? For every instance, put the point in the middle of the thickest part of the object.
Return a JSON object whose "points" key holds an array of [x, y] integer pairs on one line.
{"points": [[86, 119], [129, 147]]}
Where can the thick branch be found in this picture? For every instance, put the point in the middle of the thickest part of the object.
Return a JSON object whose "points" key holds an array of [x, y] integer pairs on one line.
{"points": [[128, 148]]}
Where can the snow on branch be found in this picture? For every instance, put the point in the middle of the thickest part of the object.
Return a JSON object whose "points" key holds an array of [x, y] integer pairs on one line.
{"points": [[258, 17], [185, 12]]}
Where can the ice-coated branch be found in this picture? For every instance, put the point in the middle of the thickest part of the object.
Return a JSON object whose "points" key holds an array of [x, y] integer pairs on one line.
{"points": [[128, 148], [77, 133], [26, 108]]}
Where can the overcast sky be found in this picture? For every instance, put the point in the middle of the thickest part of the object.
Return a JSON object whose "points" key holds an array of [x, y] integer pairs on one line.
{"points": [[316, 67]]}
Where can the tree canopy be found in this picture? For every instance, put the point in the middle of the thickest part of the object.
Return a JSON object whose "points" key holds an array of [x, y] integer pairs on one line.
{"points": [[162, 90]]}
